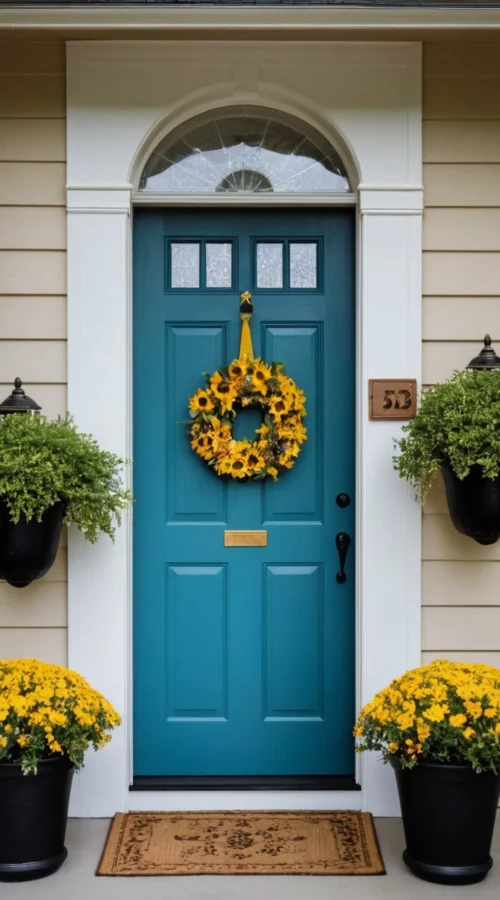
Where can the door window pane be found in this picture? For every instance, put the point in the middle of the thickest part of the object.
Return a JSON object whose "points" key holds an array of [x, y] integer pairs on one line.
{"points": [[218, 265], [185, 265], [303, 265], [269, 265]]}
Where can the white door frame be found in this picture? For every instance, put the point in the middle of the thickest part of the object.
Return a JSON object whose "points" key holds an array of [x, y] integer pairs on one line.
{"points": [[122, 96]]}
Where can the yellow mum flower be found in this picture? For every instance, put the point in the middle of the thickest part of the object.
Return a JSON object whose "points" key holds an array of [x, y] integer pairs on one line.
{"points": [[458, 720], [50, 707], [413, 712], [423, 731], [436, 712], [475, 710]]}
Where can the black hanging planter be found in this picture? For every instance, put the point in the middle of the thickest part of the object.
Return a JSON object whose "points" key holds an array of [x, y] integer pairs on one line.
{"points": [[448, 817], [33, 818], [474, 504], [28, 549]]}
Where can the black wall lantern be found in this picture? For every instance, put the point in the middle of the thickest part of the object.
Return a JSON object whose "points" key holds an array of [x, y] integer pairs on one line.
{"points": [[487, 358], [18, 402], [474, 501], [27, 549]]}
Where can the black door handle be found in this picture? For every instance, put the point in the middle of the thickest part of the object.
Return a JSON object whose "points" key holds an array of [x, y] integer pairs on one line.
{"points": [[343, 542]]}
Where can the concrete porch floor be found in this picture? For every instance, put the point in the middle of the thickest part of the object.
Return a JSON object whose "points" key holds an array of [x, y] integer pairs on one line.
{"points": [[85, 840]]}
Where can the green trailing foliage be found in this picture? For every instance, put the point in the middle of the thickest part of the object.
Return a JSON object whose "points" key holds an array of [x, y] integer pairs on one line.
{"points": [[43, 462], [457, 424]]}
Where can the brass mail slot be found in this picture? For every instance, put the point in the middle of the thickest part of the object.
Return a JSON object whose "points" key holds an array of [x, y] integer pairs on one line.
{"points": [[245, 539]]}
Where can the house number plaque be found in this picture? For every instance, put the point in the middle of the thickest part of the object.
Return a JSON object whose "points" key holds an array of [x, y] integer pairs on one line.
{"points": [[392, 398], [245, 539]]}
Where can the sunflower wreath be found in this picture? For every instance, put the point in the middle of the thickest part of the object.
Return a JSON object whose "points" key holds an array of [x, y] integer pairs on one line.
{"points": [[248, 383]]}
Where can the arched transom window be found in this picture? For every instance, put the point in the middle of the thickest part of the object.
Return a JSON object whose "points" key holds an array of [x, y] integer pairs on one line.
{"points": [[244, 149]]}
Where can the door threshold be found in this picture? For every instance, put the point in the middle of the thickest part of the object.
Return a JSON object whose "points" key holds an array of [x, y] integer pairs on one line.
{"points": [[244, 783]]}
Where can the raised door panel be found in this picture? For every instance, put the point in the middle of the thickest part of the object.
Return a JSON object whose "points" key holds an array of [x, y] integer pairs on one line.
{"points": [[293, 681], [191, 495]]}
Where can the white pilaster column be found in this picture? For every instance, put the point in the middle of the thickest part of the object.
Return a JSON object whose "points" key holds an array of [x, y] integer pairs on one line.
{"points": [[99, 399], [389, 544]]}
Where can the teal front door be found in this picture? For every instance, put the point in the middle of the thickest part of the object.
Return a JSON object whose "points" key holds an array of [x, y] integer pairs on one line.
{"points": [[243, 656]]}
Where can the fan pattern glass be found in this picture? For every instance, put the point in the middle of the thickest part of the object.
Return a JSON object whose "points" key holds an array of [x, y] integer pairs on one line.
{"points": [[247, 150]]}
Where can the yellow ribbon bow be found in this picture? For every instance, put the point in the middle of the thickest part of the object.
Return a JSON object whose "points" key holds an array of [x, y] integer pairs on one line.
{"points": [[246, 311]]}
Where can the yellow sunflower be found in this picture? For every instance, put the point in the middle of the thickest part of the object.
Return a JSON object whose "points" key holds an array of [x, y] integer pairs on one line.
{"points": [[223, 390], [202, 445], [234, 464], [238, 369], [255, 461], [220, 433], [239, 468], [201, 402], [279, 406], [285, 461], [260, 376]]}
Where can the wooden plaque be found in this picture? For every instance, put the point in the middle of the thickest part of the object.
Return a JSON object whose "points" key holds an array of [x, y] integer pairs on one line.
{"points": [[245, 539], [392, 398]]}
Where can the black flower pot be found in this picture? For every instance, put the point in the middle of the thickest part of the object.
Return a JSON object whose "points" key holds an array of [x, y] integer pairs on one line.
{"points": [[474, 504], [33, 817], [448, 817], [28, 549]]}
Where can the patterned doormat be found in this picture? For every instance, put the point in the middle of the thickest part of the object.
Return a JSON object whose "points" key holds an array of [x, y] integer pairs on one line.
{"points": [[242, 843]]}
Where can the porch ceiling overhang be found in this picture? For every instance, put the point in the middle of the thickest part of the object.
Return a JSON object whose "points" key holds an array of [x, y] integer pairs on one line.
{"points": [[292, 19]]}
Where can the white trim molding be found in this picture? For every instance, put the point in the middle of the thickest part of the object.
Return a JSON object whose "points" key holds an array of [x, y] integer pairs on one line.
{"points": [[366, 99], [327, 18]]}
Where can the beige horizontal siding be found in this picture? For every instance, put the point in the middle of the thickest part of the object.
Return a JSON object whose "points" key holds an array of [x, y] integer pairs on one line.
{"points": [[33, 318], [442, 358], [461, 141], [47, 644], [33, 297], [33, 361], [32, 272], [30, 96], [461, 59], [32, 228], [460, 628], [462, 97], [458, 184], [461, 274], [36, 57], [461, 318], [472, 583], [462, 229], [32, 184], [43, 605], [441, 541], [491, 658], [33, 140]]}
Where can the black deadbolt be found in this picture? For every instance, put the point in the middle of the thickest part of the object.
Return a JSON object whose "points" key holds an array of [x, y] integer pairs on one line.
{"points": [[343, 500]]}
